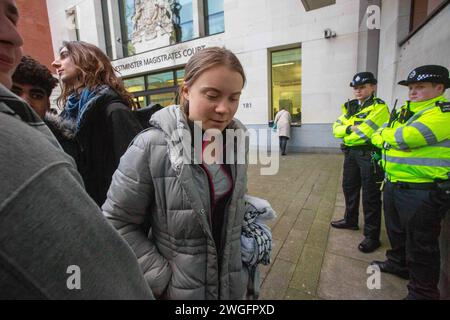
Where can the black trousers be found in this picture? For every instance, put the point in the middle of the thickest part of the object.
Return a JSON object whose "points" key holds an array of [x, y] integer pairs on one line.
{"points": [[360, 171], [413, 223], [283, 144]]}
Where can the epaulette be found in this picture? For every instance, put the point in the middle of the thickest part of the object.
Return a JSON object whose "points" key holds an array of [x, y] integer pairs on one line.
{"points": [[445, 106], [379, 101]]}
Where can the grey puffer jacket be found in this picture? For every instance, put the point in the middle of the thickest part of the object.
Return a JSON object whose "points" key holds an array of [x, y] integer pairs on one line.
{"points": [[162, 208]]}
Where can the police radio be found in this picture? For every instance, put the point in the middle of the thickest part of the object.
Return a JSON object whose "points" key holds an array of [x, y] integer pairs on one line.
{"points": [[393, 115], [405, 114]]}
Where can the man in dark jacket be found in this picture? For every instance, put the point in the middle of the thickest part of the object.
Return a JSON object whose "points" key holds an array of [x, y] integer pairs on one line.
{"points": [[54, 241]]}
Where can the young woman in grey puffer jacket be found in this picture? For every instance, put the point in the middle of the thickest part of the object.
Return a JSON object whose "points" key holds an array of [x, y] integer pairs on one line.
{"points": [[181, 213]]}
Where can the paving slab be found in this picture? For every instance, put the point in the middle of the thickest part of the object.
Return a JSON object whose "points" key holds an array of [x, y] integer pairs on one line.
{"points": [[311, 260], [307, 271], [277, 280], [344, 278]]}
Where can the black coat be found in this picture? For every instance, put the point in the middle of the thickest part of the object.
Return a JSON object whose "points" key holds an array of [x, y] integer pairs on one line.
{"points": [[107, 128], [144, 114]]}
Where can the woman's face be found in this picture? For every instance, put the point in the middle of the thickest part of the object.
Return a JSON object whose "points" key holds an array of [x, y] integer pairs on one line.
{"points": [[422, 91], [364, 91], [214, 97], [65, 68]]}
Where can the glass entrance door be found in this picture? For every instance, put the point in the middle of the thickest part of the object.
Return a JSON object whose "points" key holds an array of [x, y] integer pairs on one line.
{"points": [[164, 99], [161, 88]]}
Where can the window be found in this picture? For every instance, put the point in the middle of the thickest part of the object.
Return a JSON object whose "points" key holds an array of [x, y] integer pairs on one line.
{"points": [[286, 83], [135, 84], [182, 20], [141, 102], [160, 80], [186, 21], [126, 9], [164, 99], [421, 10], [180, 77], [159, 87], [106, 27], [214, 17]]}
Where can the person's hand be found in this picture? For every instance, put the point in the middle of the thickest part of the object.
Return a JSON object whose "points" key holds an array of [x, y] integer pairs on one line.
{"points": [[353, 128]]}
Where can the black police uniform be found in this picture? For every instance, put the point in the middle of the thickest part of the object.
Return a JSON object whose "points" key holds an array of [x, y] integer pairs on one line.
{"points": [[361, 171]]}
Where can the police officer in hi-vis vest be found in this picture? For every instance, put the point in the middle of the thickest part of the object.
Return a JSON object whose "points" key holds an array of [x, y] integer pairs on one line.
{"points": [[361, 117], [416, 158]]}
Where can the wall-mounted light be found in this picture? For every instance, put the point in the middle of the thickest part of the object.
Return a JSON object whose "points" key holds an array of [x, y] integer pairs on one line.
{"points": [[328, 33], [282, 64]]}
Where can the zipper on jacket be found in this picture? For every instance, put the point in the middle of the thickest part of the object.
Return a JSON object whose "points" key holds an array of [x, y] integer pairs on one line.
{"points": [[226, 208], [205, 173], [211, 228]]}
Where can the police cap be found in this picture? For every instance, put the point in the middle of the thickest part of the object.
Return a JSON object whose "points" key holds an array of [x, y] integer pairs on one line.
{"points": [[428, 73], [363, 78]]}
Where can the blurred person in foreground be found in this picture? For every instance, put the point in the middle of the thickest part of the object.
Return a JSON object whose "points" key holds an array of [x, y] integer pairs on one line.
{"points": [[49, 226]]}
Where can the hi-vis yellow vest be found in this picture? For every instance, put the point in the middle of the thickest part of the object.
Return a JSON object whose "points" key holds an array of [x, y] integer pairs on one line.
{"points": [[369, 117], [418, 148]]}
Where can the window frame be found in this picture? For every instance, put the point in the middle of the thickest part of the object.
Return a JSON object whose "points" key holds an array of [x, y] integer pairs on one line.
{"points": [[123, 33], [432, 14], [145, 93], [107, 29], [206, 19], [270, 70], [187, 22]]}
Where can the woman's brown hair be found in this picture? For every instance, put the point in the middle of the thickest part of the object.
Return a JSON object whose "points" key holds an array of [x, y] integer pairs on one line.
{"points": [[204, 60], [95, 69]]}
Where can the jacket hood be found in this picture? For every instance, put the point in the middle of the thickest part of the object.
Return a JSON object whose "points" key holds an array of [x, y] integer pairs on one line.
{"points": [[65, 127]]}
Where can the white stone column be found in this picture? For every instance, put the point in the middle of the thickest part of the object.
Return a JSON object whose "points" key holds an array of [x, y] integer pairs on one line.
{"points": [[198, 27]]}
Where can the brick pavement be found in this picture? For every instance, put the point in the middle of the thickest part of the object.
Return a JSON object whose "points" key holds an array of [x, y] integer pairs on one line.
{"points": [[310, 260]]}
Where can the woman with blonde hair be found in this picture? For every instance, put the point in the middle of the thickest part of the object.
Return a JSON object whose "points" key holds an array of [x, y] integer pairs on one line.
{"points": [[188, 222], [96, 125]]}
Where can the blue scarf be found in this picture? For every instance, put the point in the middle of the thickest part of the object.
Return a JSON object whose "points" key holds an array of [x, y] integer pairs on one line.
{"points": [[77, 105]]}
